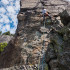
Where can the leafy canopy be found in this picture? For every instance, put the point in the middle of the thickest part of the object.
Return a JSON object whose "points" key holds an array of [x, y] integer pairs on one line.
{"points": [[2, 46], [6, 33], [0, 32]]}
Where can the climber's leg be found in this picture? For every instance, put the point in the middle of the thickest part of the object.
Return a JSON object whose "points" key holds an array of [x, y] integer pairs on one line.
{"points": [[49, 16]]}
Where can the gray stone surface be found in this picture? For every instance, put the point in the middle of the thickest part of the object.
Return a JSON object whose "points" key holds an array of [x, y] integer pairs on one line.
{"points": [[52, 6], [5, 38]]}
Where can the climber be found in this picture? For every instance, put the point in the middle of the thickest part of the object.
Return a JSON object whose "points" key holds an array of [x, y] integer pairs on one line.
{"points": [[45, 13]]}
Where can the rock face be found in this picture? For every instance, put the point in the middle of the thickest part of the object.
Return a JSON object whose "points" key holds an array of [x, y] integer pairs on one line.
{"points": [[65, 15], [37, 46], [57, 54], [5, 38], [53, 6]]}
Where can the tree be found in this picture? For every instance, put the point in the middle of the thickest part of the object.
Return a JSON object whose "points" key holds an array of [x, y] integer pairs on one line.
{"points": [[2, 46], [7, 33], [0, 32]]}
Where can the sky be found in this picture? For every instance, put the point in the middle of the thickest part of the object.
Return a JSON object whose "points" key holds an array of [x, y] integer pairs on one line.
{"points": [[8, 15]]}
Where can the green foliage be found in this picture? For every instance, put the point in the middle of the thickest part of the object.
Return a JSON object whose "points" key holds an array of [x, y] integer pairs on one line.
{"points": [[0, 32], [48, 21], [54, 41], [46, 67], [7, 33], [61, 48], [54, 44], [2, 46]]}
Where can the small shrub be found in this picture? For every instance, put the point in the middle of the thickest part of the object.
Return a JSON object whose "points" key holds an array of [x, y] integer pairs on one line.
{"points": [[0, 32], [2, 46], [6, 33], [54, 41], [46, 67]]}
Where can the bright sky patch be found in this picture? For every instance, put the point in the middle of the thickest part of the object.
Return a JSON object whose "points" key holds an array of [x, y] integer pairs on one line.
{"points": [[8, 15]]}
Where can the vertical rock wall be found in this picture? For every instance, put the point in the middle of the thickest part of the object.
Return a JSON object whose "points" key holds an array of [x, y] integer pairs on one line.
{"points": [[31, 38]]}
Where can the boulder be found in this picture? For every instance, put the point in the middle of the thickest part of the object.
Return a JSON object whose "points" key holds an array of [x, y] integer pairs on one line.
{"points": [[65, 17], [5, 38]]}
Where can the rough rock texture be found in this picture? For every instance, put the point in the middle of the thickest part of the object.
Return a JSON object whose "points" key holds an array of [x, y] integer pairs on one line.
{"points": [[11, 55], [53, 6], [5, 38], [37, 46], [65, 17], [58, 52]]}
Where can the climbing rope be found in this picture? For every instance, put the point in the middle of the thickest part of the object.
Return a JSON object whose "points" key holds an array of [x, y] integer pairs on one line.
{"points": [[43, 48], [43, 39]]}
